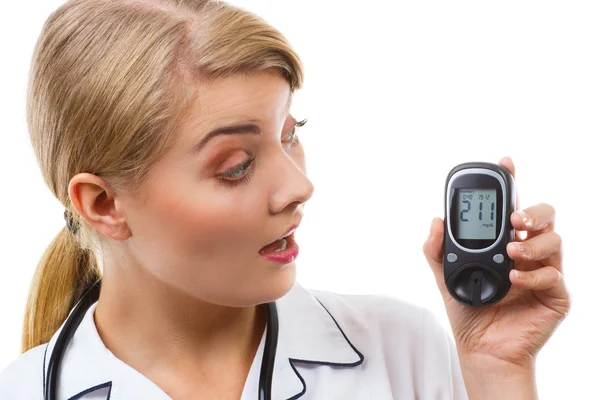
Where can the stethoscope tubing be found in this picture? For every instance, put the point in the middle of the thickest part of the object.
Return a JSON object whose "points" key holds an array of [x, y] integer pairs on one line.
{"points": [[92, 295]]}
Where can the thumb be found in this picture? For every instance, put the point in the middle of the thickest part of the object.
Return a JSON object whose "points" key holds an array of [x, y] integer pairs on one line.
{"points": [[432, 248]]}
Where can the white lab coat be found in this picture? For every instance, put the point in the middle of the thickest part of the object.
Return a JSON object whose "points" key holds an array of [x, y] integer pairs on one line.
{"points": [[330, 347]]}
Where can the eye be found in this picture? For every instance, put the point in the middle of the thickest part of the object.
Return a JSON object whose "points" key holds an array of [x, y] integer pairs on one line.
{"points": [[290, 137], [238, 174]]}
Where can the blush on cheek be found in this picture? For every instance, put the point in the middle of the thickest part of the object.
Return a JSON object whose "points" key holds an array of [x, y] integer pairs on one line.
{"points": [[189, 220], [213, 222]]}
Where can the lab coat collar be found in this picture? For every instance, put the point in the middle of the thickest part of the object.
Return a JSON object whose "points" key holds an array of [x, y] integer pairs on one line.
{"points": [[308, 335]]}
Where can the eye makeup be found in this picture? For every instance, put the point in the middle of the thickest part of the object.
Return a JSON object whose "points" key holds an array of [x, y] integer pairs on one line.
{"points": [[242, 172]]}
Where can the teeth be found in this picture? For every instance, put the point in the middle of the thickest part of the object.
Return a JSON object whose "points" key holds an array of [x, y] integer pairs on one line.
{"points": [[288, 234], [282, 245]]}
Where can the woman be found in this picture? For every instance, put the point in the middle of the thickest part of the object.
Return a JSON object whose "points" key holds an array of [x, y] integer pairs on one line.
{"points": [[163, 127]]}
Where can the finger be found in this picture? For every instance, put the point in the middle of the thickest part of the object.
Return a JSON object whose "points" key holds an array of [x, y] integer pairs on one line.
{"points": [[432, 248], [547, 279], [508, 163], [546, 248], [536, 219]]}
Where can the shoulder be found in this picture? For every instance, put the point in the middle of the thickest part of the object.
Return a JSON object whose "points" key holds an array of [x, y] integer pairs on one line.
{"points": [[392, 324], [409, 340], [23, 377], [379, 311]]}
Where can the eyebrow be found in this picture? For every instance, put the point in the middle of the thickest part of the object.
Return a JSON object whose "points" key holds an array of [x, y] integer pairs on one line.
{"points": [[227, 130], [247, 128]]}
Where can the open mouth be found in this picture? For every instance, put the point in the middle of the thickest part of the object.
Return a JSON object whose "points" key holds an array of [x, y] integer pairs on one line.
{"points": [[279, 245]]}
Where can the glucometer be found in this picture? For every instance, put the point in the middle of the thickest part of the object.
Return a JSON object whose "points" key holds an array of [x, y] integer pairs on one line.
{"points": [[480, 198]]}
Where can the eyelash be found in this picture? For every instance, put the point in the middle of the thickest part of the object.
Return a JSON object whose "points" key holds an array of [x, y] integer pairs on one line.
{"points": [[227, 177], [297, 125]]}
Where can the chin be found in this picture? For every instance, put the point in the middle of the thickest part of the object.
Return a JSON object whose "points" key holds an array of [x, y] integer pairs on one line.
{"points": [[277, 285], [270, 286], [252, 291]]}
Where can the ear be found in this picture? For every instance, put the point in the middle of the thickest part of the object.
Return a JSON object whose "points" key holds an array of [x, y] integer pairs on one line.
{"points": [[95, 200]]}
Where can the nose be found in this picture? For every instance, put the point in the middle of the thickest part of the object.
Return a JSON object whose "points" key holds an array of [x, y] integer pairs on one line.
{"points": [[291, 187]]}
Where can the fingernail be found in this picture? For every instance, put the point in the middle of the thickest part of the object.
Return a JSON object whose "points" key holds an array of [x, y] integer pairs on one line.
{"points": [[526, 219], [516, 273], [522, 235], [521, 249]]}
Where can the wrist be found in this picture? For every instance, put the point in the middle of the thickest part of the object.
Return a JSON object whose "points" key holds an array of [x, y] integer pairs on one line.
{"points": [[488, 378]]}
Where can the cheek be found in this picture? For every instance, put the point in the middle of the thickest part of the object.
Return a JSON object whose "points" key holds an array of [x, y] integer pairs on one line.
{"points": [[204, 220]]}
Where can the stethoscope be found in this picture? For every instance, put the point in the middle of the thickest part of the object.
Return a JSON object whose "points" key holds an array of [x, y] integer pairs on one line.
{"points": [[92, 295]]}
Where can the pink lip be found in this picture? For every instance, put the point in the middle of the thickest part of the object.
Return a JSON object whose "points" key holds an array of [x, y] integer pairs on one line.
{"points": [[286, 256]]}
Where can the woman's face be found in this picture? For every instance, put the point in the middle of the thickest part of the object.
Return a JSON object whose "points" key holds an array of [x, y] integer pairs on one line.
{"points": [[215, 200]]}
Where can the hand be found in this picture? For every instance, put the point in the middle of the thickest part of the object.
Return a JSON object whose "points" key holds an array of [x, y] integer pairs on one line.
{"points": [[510, 333]]}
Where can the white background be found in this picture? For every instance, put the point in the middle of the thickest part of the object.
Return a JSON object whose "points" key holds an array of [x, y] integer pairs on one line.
{"points": [[396, 94]]}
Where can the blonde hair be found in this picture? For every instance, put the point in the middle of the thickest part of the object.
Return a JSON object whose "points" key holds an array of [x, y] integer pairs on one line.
{"points": [[110, 84]]}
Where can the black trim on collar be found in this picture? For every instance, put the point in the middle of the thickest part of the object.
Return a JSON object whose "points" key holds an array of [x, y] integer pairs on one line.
{"points": [[331, 364], [93, 389], [298, 395]]}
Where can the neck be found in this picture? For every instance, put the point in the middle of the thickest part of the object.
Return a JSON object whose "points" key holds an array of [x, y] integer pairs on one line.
{"points": [[159, 330]]}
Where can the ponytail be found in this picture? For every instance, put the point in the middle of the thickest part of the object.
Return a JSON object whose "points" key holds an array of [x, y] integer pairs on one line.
{"points": [[64, 273]]}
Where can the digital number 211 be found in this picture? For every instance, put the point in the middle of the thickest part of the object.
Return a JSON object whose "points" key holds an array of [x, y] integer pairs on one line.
{"points": [[468, 203]]}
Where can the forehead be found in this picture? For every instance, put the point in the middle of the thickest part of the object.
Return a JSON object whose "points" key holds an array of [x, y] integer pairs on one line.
{"points": [[258, 96]]}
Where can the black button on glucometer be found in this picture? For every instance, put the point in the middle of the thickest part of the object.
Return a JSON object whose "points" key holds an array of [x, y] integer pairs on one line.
{"points": [[475, 284], [479, 200]]}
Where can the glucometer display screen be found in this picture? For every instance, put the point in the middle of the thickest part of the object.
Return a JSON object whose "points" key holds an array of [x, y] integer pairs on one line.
{"points": [[476, 216]]}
